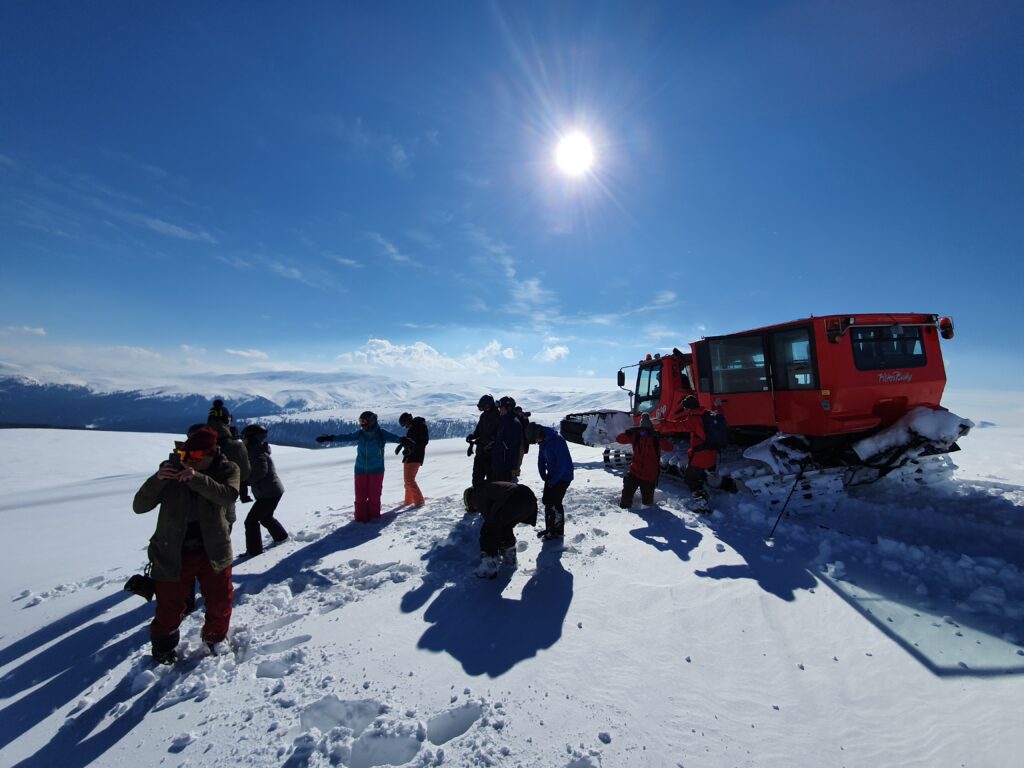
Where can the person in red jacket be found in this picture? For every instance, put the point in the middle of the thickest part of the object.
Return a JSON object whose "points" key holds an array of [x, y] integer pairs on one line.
{"points": [[646, 464], [700, 457]]}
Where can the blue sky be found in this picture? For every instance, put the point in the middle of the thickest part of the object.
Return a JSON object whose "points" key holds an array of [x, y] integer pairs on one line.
{"points": [[372, 186]]}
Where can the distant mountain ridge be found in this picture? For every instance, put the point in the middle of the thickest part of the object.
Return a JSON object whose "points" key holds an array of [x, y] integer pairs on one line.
{"points": [[296, 406]]}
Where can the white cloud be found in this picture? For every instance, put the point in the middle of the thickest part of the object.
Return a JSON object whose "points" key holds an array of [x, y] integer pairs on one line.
{"points": [[352, 263], [26, 330], [663, 298], [188, 349], [250, 354], [424, 359], [552, 354]]}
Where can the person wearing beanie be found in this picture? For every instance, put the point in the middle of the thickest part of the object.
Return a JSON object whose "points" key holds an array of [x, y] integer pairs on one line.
{"points": [[369, 468], [219, 414], [483, 439], [196, 491], [554, 464], [645, 466], [266, 487], [413, 449], [508, 443], [700, 457]]}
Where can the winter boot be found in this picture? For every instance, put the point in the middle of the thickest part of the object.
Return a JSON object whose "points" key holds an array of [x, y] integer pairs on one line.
{"points": [[700, 501], [488, 567], [164, 648], [508, 555], [626, 502]]}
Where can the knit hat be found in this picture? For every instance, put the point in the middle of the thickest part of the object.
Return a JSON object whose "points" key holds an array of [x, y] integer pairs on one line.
{"points": [[204, 439], [485, 402], [369, 417], [254, 430], [507, 402]]}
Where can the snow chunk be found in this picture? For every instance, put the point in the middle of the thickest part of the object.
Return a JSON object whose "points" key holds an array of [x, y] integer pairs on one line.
{"points": [[940, 426]]}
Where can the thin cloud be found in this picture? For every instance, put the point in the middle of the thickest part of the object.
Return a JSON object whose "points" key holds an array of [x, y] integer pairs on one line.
{"points": [[249, 354], [27, 330], [391, 250], [552, 354]]}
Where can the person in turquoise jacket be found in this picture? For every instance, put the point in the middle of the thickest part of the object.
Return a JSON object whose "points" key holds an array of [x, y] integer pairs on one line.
{"points": [[370, 440]]}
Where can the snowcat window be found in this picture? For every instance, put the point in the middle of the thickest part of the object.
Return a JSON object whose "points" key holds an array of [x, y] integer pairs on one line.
{"points": [[792, 367], [737, 364], [648, 389], [891, 346]]}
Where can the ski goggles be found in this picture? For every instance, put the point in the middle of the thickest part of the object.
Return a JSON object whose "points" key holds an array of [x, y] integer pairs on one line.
{"points": [[191, 457]]}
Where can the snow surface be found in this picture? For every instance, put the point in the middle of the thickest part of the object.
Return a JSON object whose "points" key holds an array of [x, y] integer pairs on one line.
{"points": [[886, 631]]}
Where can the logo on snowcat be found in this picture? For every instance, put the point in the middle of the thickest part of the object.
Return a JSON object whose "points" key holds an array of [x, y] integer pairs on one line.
{"points": [[894, 377]]}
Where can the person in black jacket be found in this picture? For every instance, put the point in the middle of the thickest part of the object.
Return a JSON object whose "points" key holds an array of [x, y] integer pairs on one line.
{"points": [[266, 487], [483, 438], [508, 443], [413, 448], [503, 506]]}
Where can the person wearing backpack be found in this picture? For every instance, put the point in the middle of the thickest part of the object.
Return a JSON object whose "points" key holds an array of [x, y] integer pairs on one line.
{"points": [[413, 447], [707, 435]]}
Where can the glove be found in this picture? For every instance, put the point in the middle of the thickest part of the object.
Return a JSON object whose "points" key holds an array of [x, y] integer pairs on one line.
{"points": [[470, 438], [324, 438], [398, 449], [469, 451], [245, 498]]}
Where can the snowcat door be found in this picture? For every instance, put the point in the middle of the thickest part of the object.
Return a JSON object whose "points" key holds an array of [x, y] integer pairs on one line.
{"points": [[733, 377]]}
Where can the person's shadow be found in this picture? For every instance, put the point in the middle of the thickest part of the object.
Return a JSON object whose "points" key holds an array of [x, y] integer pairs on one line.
{"points": [[471, 620], [666, 532], [83, 651]]}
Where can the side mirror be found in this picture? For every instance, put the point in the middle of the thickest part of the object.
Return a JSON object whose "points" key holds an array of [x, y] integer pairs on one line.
{"points": [[621, 378]]}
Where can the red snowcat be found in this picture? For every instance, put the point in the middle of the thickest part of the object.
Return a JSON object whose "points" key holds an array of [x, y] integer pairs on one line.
{"points": [[836, 401]]}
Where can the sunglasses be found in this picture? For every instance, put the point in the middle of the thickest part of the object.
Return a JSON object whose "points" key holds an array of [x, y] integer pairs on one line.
{"points": [[191, 456]]}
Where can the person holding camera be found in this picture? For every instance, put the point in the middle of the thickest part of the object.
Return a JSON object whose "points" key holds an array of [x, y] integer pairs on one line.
{"points": [[266, 486], [196, 492], [369, 469], [645, 467], [413, 449]]}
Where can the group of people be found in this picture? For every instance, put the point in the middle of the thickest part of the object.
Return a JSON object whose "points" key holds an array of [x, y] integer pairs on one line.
{"points": [[197, 487], [503, 436]]}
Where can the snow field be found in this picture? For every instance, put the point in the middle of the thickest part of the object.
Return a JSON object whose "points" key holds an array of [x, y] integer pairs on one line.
{"points": [[649, 637]]}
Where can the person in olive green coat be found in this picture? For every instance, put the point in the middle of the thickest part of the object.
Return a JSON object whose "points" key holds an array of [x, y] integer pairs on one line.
{"points": [[192, 539]]}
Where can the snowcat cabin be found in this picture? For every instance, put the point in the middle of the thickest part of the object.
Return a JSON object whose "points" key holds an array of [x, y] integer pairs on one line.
{"points": [[661, 384], [822, 376]]}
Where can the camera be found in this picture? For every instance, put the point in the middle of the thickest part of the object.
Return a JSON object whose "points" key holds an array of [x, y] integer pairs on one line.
{"points": [[141, 584], [175, 460]]}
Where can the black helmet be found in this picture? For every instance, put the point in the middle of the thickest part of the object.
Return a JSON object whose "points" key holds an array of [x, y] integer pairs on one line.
{"points": [[507, 402], [534, 432], [254, 430], [405, 420], [485, 402], [368, 419], [690, 402]]}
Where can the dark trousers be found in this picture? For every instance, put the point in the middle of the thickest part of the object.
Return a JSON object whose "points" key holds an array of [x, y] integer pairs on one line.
{"points": [[554, 512], [496, 532], [217, 591], [695, 478], [262, 513], [629, 485], [481, 467]]}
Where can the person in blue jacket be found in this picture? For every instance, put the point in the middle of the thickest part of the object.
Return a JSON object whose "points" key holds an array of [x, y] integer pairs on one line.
{"points": [[554, 463], [369, 470]]}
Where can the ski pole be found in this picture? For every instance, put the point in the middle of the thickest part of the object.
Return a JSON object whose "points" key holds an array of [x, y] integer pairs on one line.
{"points": [[782, 511]]}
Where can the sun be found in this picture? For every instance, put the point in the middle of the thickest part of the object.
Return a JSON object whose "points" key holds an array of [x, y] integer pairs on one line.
{"points": [[574, 154]]}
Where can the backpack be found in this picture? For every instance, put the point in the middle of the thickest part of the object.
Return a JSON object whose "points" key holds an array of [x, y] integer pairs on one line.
{"points": [[716, 430]]}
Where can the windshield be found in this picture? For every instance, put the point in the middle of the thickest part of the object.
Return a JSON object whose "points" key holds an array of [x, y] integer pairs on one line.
{"points": [[648, 388]]}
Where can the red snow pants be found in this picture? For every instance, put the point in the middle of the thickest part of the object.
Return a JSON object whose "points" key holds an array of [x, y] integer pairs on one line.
{"points": [[368, 489], [217, 591]]}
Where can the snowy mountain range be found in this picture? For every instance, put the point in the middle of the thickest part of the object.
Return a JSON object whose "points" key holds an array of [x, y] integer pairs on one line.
{"points": [[297, 405]]}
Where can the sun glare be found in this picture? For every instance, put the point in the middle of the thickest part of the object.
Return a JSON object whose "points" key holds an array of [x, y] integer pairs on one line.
{"points": [[574, 154]]}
